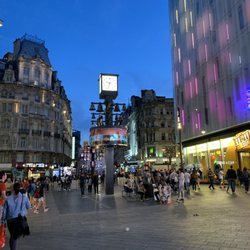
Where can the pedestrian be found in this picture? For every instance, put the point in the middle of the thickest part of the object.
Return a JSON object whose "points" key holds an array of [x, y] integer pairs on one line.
{"points": [[89, 183], [239, 176], [95, 182], [82, 183], [9, 187], [181, 180], [40, 197], [193, 180], [231, 178], [245, 179], [187, 181], [211, 179], [3, 177], [221, 178], [141, 191], [16, 204]]}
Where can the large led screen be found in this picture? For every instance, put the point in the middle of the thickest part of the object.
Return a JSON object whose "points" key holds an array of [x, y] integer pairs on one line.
{"points": [[108, 136]]}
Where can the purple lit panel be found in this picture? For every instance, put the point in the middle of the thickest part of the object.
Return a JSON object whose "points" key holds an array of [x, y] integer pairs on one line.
{"points": [[222, 33], [210, 73], [183, 117], [199, 28], [199, 121], [196, 86], [191, 89]]}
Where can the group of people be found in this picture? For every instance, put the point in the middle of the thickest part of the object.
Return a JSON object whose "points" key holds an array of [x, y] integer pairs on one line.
{"points": [[160, 184], [88, 181]]}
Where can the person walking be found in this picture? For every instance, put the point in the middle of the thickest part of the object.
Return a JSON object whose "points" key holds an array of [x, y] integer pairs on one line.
{"points": [[3, 177], [211, 179], [15, 204], [187, 181], [231, 178], [181, 180], [221, 178], [82, 183], [40, 196], [95, 182], [245, 179], [193, 180]]}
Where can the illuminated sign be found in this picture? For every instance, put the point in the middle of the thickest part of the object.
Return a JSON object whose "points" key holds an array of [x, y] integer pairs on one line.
{"points": [[248, 99], [242, 140], [108, 136]]}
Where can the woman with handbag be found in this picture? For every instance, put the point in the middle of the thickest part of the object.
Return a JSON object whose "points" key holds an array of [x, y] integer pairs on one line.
{"points": [[15, 211]]}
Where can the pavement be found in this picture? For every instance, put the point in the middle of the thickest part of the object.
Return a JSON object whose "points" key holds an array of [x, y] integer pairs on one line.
{"points": [[206, 220]]}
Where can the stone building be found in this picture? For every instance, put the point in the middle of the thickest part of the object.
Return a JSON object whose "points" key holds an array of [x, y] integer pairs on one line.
{"points": [[151, 131], [35, 113]]}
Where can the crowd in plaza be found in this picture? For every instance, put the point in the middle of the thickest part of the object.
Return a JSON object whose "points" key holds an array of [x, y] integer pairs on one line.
{"points": [[161, 184]]}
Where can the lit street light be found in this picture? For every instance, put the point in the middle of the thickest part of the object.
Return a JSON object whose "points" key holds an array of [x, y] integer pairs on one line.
{"points": [[1, 23]]}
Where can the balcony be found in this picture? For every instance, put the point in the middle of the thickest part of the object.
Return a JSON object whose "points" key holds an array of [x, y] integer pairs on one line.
{"points": [[56, 135], [46, 133], [36, 132], [23, 131]]}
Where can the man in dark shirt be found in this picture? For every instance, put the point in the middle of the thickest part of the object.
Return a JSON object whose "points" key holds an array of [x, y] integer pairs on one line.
{"points": [[231, 178], [82, 183]]}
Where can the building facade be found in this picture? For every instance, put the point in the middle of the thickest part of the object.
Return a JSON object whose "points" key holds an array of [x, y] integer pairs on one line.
{"points": [[211, 71], [151, 131], [35, 112]]}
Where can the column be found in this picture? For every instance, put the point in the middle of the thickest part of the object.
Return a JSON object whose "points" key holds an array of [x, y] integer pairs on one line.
{"points": [[109, 176]]}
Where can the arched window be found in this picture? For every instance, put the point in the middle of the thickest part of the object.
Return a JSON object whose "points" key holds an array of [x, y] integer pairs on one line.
{"points": [[6, 123]]}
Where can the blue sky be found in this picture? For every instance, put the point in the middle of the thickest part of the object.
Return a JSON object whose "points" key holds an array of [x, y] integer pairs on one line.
{"points": [[87, 37]]}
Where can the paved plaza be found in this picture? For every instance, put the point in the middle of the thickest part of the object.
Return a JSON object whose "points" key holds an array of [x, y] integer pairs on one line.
{"points": [[206, 220]]}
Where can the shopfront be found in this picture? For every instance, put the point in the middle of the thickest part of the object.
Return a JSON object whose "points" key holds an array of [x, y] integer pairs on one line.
{"points": [[220, 153]]}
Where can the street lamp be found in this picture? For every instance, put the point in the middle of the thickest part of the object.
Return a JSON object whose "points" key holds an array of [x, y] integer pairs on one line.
{"points": [[179, 127], [107, 117], [1, 23]]}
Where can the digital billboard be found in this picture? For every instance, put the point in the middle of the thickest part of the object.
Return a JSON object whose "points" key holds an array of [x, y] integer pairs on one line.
{"points": [[108, 136]]}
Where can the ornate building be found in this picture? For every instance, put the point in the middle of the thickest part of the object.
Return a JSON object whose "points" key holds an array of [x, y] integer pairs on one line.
{"points": [[151, 129], [35, 113]]}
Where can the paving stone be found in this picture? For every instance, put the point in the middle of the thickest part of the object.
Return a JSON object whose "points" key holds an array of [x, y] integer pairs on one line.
{"points": [[99, 222]]}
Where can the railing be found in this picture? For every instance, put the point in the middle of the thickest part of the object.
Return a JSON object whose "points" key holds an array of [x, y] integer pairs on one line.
{"points": [[25, 131]]}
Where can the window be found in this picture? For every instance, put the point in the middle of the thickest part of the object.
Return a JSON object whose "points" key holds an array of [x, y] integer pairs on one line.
{"points": [[26, 72], [24, 109], [23, 142], [4, 107], [4, 94], [161, 111], [241, 17], [162, 124], [163, 136], [5, 140], [37, 76], [24, 125], [6, 123], [37, 98], [10, 107]]}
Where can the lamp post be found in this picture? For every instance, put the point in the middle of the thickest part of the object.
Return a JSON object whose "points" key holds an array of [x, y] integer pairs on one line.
{"points": [[106, 122], [179, 127], [1, 23]]}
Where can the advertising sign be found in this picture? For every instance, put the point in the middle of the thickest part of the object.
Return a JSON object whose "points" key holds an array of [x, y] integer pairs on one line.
{"points": [[108, 136]]}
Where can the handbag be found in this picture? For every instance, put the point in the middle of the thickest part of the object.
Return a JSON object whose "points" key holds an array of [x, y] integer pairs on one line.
{"points": [[21, 226], [2, 236]]}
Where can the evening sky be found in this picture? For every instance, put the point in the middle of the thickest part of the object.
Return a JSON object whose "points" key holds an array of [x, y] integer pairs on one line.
{"points": [[87, 37]]}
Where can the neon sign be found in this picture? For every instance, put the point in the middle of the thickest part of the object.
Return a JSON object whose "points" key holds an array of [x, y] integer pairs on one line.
{"points": [[248, 99]]}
